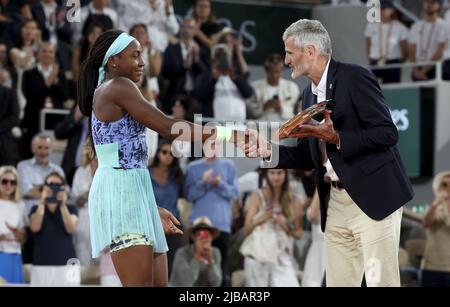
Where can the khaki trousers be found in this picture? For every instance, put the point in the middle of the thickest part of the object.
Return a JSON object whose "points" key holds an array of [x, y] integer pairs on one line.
{"points": [[356, 245]]}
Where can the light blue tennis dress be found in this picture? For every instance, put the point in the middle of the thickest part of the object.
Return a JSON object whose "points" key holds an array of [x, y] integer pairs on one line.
{"points": [[121, 199]]}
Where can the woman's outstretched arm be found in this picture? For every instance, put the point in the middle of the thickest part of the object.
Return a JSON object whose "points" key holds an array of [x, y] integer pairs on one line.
{"points": [[127, 96]]}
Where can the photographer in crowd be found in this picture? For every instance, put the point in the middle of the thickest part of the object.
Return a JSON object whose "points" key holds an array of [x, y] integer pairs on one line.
{"points": [[53, 224], [198, 264]]}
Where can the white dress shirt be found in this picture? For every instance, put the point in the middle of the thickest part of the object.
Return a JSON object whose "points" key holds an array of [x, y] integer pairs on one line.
{"points": [[51, 20], [391, 35], [320, 91], [427, 36], [45, 72], [189, 84], [32, 174]]}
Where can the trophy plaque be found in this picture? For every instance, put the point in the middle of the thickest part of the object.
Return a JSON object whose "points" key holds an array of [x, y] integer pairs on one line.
{"points": [[303, 117]]}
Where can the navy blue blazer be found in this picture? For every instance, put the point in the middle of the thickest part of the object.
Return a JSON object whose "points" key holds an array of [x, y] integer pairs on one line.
{"points": [[368, 163], [64, 31], [174, 71]]}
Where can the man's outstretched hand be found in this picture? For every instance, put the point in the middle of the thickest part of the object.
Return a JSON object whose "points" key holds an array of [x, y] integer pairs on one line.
{"points": [[169, 222], [255, 145], [324, 131]]}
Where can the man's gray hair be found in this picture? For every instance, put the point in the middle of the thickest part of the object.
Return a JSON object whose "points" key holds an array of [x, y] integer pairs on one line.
{"points": [[310, 32], [40, 136], [47, 43]]}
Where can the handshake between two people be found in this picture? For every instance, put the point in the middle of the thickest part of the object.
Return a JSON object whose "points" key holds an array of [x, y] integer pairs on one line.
{"points": [[254, 145]]}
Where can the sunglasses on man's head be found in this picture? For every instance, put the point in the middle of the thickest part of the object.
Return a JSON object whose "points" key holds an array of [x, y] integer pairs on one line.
{"points": [[11, 182]]}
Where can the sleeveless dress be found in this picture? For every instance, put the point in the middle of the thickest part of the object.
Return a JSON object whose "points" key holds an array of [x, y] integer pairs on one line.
{"points": [[121, 198]]}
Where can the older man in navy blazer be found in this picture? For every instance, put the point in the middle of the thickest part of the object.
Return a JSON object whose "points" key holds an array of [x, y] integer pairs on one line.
{"points": [[361, 180]]}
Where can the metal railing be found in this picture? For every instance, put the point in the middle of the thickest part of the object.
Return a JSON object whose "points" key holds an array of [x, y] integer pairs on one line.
{"points": [[408, 65]]}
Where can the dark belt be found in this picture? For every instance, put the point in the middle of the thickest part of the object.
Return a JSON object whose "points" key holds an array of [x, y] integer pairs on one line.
{"points": [[338, 185]]}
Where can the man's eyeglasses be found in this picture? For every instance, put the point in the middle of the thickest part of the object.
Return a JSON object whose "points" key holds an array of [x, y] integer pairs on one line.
{"points": [[11, 182]]}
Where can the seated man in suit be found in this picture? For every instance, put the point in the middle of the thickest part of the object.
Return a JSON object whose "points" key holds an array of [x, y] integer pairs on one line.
{"points": [[360, 177]]}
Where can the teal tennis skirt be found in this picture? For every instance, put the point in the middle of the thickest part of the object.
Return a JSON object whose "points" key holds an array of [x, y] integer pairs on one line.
{"points": [[121, 202]]}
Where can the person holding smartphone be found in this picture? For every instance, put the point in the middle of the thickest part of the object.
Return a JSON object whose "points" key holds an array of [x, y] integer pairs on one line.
{"points": [[272, 222], [436, 264], [53, 223], [274, 97], [198, 264], [233, 41]]}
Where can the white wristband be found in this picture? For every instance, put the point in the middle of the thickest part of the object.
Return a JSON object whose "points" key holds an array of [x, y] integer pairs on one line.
{"points": [[223, 133]]}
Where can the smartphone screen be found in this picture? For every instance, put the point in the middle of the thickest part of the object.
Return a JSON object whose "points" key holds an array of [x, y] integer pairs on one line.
{"points": [[204, 234]]}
